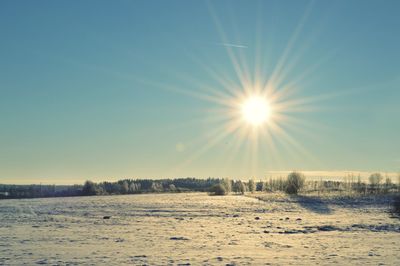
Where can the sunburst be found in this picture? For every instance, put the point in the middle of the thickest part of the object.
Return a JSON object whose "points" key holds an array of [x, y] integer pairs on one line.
{"points": [[256, 113]]}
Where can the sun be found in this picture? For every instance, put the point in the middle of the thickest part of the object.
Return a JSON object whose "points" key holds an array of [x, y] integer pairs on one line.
{"points": [[256, 110]]}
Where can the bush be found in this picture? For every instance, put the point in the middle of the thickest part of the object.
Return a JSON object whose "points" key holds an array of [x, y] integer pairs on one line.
{"points": [[219, 190], [294, 182]]}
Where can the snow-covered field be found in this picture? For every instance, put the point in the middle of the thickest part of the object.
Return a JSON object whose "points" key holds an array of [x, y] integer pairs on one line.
{"points": [[197, 229]]}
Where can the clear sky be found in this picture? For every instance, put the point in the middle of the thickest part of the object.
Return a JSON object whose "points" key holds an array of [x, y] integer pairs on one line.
{"points": [[118, 89]]}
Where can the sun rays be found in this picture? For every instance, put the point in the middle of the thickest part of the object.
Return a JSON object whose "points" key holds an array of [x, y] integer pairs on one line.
{"points": [[253, 117], [258, 113]]}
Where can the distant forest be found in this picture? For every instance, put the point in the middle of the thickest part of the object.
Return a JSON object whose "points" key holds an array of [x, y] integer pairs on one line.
{"points": [[126, 186], [295, 182]]}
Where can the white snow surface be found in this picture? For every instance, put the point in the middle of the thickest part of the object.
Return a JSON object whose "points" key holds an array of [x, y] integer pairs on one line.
{"points": [[197, 229]]}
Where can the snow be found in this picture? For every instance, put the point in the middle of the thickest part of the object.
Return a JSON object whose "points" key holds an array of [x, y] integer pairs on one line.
{"points": [[197, 229]]}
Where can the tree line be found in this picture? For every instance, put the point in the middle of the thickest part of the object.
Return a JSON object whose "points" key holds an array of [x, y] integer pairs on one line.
{"points": [[125, 186], [38, 191], [294, 183], [131, 186]]}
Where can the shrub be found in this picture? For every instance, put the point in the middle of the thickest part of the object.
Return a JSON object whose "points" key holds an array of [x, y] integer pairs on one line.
{"points": [[294, 182], [219, 190], [396, 205], [259, 186]]}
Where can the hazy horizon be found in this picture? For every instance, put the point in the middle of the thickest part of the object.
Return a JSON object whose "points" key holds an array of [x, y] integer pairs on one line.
{"points": [[310, 175], [100, 91]]}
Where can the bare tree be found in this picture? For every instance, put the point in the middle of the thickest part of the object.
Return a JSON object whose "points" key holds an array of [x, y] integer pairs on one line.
{"points": [[374, 180], [252, 186], [227, 183], [295, 181]]}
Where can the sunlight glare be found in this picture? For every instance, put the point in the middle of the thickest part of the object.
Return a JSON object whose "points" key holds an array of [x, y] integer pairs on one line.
{"points": [[256, 110]]}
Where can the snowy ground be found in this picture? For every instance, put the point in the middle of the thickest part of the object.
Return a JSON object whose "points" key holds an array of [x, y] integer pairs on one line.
{"points": [[197, 229]]}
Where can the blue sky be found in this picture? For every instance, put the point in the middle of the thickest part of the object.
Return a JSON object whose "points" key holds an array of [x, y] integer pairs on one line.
{"points": [[107, 90]]}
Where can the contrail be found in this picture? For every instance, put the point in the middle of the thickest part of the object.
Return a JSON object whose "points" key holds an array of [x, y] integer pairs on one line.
{"points": [[231, 45]]}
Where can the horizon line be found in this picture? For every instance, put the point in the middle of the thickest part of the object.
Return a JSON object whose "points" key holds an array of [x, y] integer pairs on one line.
{"points": [[313, 174]]}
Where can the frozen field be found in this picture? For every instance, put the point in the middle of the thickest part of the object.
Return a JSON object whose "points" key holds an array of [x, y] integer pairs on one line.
{"points": [[197, 229]]}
